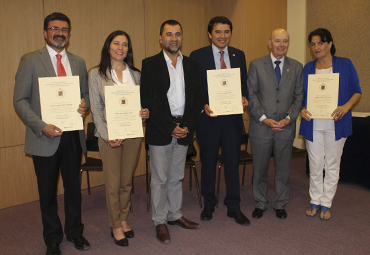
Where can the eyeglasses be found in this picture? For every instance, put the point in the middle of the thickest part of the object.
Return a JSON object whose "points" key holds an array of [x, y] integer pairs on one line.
{"points": [[57, 29]]}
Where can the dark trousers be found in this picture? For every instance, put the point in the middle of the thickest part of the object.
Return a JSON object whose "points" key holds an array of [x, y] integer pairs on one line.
{"points": [[225, 131], [67, 158]]}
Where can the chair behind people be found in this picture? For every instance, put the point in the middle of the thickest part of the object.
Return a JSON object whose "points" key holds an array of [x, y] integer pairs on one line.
{"points": [[192, 152], [147, 175], [94, 164], [245, 158], [91, 164], [297, 153]]}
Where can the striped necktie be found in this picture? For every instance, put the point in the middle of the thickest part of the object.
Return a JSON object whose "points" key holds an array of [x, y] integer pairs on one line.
{"points": [[223, 65]]}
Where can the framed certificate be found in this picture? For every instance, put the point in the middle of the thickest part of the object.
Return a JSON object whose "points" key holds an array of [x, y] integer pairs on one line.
{"points": [[224, 91], [322, 95], [122, 106], [59, 100]]}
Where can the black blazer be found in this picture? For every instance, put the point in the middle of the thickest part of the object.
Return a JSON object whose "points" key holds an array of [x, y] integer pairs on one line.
{"points": [[205, 58], [155, 82]]}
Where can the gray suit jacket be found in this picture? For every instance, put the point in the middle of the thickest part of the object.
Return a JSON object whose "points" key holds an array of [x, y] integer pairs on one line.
{"points": [[273, 100], [26, 99], [97, 98]]}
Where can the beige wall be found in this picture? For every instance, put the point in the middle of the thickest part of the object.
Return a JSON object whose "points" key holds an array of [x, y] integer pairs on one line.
{"points": [[348, 21], [349, 24], [296, 25], [92, 20]]}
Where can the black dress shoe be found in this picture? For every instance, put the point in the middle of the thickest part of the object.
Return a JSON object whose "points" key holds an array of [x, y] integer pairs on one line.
{"points": [[239, 217], [281, 213], [122, 242], [207, 213], [53, 249], [257, 213], [80, 243], [129, 234]]}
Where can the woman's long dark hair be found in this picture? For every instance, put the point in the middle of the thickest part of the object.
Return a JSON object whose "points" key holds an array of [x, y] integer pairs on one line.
{"points": [[325, 36], [105, 61]]}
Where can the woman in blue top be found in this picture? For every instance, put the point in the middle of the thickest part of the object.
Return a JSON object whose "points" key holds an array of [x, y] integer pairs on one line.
{"points": [[325, 138]]}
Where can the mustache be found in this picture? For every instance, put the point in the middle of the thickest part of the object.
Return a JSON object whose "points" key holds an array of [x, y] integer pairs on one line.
{"points": [[60, 36]]}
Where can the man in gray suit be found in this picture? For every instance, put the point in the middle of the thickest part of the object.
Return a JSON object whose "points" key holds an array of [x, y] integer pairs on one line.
{"points": [[275, 86], [50, 147]]}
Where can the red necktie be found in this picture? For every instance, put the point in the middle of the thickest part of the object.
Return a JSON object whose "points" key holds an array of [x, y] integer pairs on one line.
{"points": [[223, 65], [60, 67]]}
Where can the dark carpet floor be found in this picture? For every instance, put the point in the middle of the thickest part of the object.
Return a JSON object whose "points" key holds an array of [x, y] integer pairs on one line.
{"points": [[346, 233]]}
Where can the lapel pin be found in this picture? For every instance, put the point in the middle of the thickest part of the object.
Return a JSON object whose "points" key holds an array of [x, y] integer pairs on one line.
{"points": [[234, 55], [287, 70]]}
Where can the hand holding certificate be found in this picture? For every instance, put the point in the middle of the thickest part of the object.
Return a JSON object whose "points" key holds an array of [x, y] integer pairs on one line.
{"points": [[322, 95], [224, 91], [59, 100], [122, 106]]}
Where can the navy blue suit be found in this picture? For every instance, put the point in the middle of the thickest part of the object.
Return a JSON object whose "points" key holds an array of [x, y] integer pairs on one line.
{"points": [[224, 131]]}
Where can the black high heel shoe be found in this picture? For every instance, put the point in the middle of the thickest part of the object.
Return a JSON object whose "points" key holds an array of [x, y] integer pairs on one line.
{"points": [[122, 242], [129, 234]]}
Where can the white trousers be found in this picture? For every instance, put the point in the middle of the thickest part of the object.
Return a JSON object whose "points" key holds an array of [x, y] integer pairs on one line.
{"points": [[324, 153], [167, 164]]}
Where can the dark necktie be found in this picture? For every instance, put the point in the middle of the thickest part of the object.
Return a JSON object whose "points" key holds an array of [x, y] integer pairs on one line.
{"points": [[60, 67], [223, 65], [277, 70]]}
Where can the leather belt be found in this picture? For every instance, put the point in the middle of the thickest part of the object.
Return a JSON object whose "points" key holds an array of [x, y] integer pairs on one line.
{"points": [[176, 119]]}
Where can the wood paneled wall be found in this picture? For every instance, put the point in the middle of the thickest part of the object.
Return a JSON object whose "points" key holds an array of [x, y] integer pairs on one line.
{"points": [[21, 32], [262, 18], [92, 21], [190, 14], [349, 25]]}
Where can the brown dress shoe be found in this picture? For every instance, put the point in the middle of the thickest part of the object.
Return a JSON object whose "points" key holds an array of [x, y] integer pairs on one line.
{"points": [[184, 223], [162, 233]]}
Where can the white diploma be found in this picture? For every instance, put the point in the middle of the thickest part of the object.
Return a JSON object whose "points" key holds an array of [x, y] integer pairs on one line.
{"points": [[122, 107], [59, 100], [322, 95], [224, 91]]}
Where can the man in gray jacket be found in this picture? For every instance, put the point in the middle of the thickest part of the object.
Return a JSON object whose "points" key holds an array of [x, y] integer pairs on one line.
{"points": [[50, 147], [275, 86]]}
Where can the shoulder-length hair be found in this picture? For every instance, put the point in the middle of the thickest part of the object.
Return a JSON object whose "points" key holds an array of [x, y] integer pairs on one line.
{"points": [[325, 36], [105, 60]]}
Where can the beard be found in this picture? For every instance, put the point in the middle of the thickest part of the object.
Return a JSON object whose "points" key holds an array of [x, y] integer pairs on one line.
{"points": [[172, 51], [57, 45]]}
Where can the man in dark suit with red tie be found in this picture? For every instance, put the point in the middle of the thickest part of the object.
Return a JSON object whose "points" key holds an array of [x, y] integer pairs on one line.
{"points": [[224, 131]]}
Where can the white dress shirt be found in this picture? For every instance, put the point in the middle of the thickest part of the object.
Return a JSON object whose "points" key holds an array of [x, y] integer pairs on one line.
{"points": [[273, 59], [281, 65], [64, 60], [126, 78], [176, 92]]}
